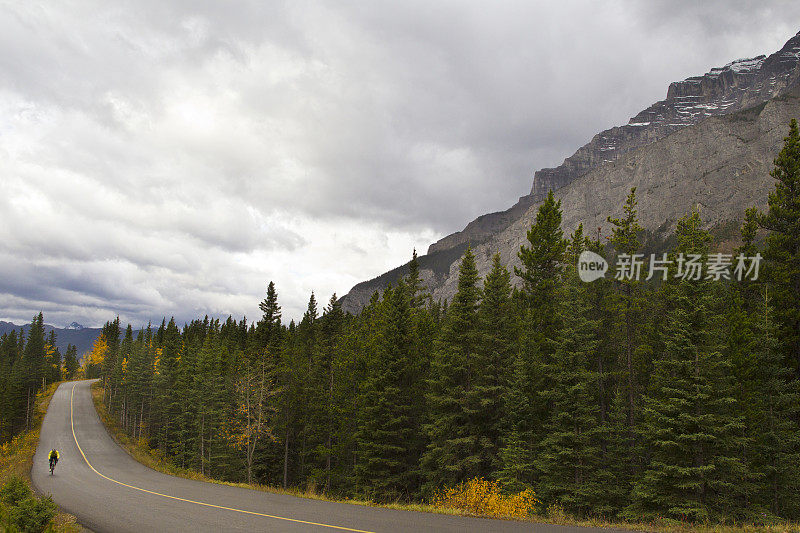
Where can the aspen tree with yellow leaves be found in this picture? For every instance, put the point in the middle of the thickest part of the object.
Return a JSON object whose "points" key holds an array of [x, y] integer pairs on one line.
{"points": [[255, 392]]}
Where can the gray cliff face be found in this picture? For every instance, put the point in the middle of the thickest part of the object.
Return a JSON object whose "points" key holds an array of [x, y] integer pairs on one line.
{"points": [[738, 85], [710, 144], [720, 166]]}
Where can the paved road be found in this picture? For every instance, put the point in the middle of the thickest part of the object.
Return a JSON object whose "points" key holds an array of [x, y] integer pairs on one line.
{"points": [[107, 490]]}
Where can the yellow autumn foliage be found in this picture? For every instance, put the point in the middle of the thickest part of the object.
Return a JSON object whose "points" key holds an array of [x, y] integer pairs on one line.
{"points": [[157, 360], [50, 351], [483, 498], [98, 353]]}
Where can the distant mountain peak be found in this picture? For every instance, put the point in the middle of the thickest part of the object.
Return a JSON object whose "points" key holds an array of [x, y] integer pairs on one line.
{"points": [[75, 326]]}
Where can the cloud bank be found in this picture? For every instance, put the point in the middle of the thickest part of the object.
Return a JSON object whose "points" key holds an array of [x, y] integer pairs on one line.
{"points": [[161, 159]]}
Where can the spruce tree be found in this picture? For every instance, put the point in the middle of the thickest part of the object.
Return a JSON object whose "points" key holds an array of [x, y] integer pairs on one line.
{"points": [[291, 381], [269, 327], [386, 465], [53, 358], [766, 390], [570, 457], [169, 406], [542, 260], [772, 412], [212, 401], [691, 423], [9, 355], [570, 453], [452, 455], [321, 390], [541, 275], [265, 349], [782, 251], [601, 298], [624, 451], [308, 346], [498, 344], [71, 364], [416, 289], [28, 375]]}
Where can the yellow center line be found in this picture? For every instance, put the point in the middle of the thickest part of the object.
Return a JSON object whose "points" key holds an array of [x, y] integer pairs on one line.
{"points": [[72, 423]]}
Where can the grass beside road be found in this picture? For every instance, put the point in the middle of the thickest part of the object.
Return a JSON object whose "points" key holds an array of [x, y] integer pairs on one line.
{"points": [[16, 458], [155, 460]]}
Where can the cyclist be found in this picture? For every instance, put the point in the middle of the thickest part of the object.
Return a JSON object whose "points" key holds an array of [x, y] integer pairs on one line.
{"points": [[53, 457]]}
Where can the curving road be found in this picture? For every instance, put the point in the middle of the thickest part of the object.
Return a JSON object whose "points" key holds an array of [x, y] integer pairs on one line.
{"points": [[108, 490]]}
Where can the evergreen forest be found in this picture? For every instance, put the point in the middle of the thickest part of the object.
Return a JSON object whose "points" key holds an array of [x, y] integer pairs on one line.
{"points": [[621, 398]]}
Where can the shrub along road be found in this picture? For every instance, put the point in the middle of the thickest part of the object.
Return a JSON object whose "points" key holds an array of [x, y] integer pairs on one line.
{"points": [[108, 490]]}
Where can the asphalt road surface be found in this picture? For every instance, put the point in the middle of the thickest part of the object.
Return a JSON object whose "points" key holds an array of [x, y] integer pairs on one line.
{"points": [[108, 490]]}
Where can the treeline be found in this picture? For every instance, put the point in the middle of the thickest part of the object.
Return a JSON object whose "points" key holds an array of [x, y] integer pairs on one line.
{"points": [[617, 398], [26, 367]]}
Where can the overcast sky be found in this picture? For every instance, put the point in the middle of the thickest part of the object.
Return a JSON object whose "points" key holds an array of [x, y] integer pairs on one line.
{"points": [[171, 158]]}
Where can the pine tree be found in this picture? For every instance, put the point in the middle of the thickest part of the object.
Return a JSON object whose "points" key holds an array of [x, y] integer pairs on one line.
{"points": [[570, 459], [765, 390], [28, 375], [308, 345], [691, 422], [416, 289], [168, 406], [452, 455], [498, 344], [624, 451], [9, 355], [783, 246], [269, 328], [772, 413], [541, 276], [386, 465], [71, 364], [321, 390], [570, 453]]}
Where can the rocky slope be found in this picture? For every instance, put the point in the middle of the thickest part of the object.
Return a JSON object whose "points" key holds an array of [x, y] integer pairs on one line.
{"points": [[738, 85], [721, 166], [711, 143]]}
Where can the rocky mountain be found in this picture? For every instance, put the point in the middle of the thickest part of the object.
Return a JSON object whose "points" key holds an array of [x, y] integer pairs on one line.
{"points": [[81, 337], [710, 143]]}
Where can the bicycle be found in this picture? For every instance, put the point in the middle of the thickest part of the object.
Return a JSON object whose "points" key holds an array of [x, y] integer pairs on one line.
{"points": [[52, 466]]}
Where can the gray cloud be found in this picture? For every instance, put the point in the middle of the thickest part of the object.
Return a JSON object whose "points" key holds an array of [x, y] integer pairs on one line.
{"points": [[161, 158]]}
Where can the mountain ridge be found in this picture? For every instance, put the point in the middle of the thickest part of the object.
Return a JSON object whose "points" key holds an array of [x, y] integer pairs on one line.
{"points": [[738, 85], [82, 338], [758, 95]]}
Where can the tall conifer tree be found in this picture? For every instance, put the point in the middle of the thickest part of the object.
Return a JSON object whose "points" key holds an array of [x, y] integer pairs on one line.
{"points": [[541, 275], [452, 455], [782, 252], [691, 423]]}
